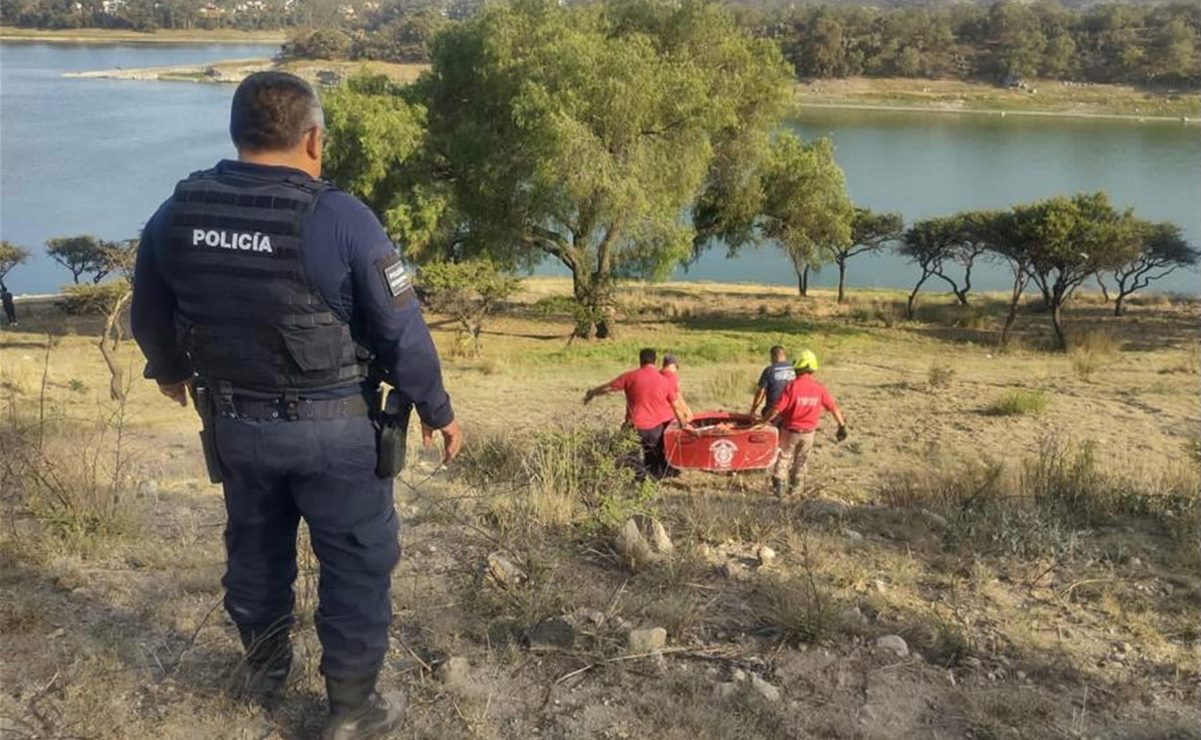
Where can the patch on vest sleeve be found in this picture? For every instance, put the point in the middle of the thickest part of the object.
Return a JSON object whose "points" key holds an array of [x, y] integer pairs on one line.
{"points": [[396, 280]]}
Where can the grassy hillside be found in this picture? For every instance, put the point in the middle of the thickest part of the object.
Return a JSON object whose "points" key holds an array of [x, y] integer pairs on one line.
{"points": [[1025, 521]]}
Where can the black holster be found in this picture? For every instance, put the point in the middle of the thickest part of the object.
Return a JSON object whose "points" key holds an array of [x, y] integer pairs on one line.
{"points": [[392, 432], [203, 401]]}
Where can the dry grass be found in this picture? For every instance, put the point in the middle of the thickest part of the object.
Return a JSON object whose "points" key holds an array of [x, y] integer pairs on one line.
{"points": [[1012, 553], [1019, 403]]}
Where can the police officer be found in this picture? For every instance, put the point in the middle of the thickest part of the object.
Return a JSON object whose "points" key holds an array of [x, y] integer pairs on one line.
{"points": [[283, 299]]}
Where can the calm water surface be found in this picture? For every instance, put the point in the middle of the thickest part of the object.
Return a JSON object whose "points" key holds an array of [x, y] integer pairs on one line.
{"points": [[98, 156]]}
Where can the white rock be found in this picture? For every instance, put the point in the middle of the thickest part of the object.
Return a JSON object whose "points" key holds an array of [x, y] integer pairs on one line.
{"points": [[765, 689], [503, 571], [643, 641], [659, 539], [895, 644], [766, 555], [738, 675], [634, 549]]}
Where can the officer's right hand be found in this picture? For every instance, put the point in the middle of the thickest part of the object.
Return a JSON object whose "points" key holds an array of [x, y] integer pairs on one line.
{"points": [[452, 439], [841, 434], [177, 392]]}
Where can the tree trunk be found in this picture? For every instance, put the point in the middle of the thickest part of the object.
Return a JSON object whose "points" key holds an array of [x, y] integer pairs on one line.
{"points": [[1057, 324], [913, 296], [593, 297], [802, 280], [112, 334], [1019, 284], [1119, 306], [842, 281]]}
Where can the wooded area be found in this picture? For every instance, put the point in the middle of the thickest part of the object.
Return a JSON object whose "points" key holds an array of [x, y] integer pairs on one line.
{"points": [[1005, 41]]}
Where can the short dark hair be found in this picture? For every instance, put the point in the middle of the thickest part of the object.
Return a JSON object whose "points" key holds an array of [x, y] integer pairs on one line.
{"points": [[777, 353], [647, 356], [271, 111]]}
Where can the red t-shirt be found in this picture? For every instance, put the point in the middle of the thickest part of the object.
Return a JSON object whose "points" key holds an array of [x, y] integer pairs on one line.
{"points": [[648, 396], [673, 379], [801, 405]]}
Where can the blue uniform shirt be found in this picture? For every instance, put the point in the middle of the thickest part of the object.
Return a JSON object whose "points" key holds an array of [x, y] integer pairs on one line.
{"points": [[341, 243], [774, 379]]}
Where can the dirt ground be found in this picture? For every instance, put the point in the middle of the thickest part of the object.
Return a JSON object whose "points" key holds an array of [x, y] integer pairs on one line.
{"points": [[1040, 566]]}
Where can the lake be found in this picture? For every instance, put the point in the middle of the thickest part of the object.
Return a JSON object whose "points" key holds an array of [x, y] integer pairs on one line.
{"points": [[98, 156]]}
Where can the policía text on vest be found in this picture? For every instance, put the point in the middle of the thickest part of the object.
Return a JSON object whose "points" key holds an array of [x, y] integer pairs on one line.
{"points": [[256, 242]]}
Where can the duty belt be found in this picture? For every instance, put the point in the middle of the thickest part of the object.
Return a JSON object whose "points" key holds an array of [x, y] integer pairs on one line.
{"points": [[300, 409]]}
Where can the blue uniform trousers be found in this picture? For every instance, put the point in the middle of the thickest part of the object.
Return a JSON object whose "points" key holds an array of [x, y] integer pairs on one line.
{"points": [[277, 472]]}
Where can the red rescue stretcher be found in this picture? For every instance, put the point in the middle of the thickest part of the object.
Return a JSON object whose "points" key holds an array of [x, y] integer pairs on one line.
{"points": [[721, 443]]}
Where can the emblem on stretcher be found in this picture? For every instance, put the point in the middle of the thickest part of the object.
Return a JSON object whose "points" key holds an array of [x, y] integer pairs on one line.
{"points": [[721, 442]]}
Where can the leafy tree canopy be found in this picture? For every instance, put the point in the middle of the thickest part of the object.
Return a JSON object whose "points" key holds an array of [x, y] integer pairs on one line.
{"points": [[580, 133]]}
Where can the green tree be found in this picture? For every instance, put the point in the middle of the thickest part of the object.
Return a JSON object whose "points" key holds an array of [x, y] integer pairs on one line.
{"points": [[468, 292], [581, 134], [375, 138], [1012, 233], [1162, 250], [1071, 239], [11, 255], [870, 232], [322, 43], [806, 209], [973, 234], [822, 49], [928, 244], [1018, 36], [82, 255], [1172, 53]]}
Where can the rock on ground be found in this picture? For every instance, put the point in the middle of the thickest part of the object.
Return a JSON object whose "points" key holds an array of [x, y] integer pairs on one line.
{"points": [[766, 555], [647, 640], [502, 570], [635, 551], [765, 689], [894, 644]]}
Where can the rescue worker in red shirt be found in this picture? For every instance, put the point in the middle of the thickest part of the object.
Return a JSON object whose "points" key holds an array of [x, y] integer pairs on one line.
{"points": [[671, 371], [651, 404], [800, 409]]}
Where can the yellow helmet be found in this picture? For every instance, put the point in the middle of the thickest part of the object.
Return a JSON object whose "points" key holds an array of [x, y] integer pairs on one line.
{"points": [[806, 361]]}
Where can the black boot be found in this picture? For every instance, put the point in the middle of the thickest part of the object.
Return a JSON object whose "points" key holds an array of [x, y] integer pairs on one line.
{"points": [[358, 712], [263, 675], [777, 487]]}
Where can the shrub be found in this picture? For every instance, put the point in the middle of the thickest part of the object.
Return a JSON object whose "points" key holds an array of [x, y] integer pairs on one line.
{"points": [[1017, 403], [71, 476], [1085, 363], [939, 375], [796, 607], [92, 300], [468, 292], [1037, 508], [559, 476], [554, 305]]}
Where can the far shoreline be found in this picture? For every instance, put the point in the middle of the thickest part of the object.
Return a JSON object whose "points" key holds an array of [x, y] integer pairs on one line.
{"points": [[108, 36], [1004, 113]]}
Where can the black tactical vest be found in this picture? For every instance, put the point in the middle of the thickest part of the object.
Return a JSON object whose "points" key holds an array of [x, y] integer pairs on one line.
{"points": [[246, 313]]}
